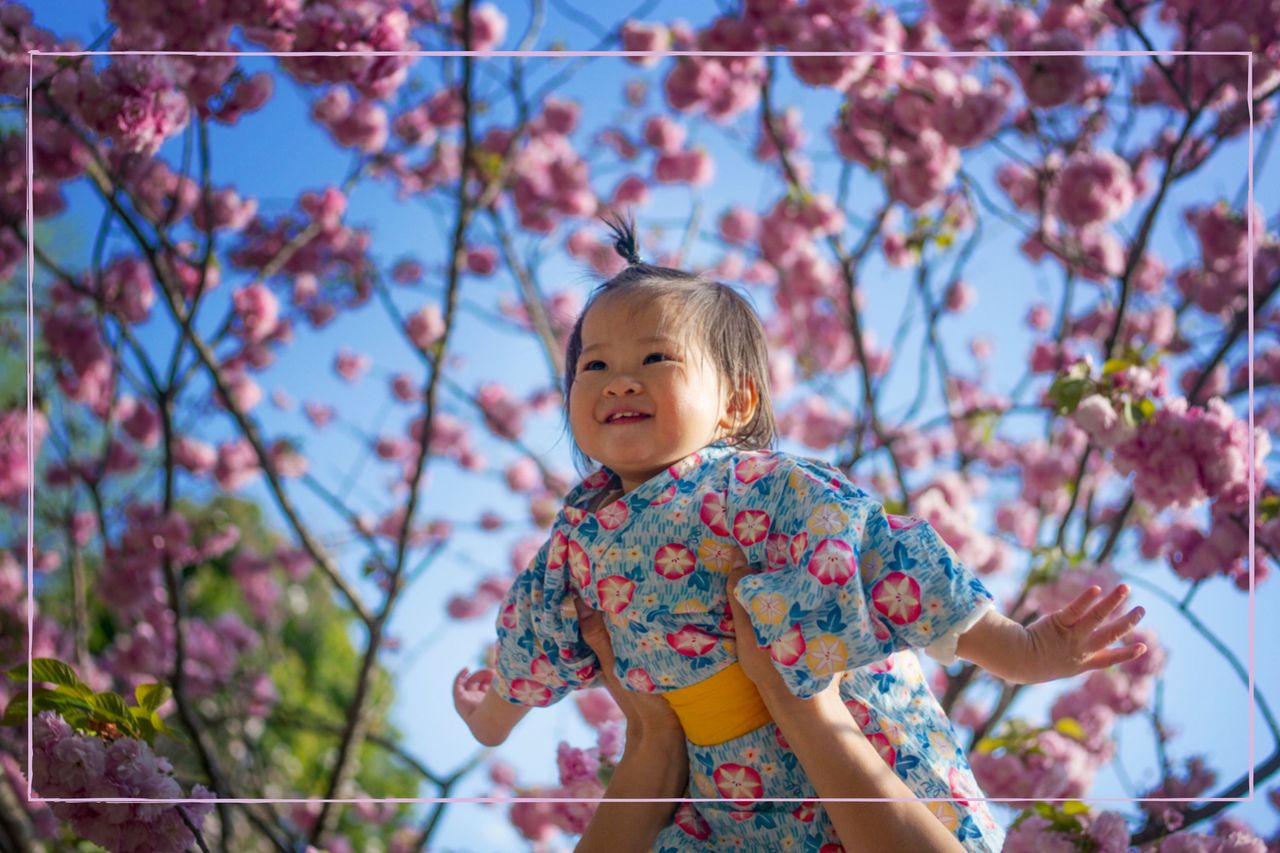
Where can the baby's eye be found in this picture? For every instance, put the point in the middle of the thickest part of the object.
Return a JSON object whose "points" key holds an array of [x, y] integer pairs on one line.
{"points": [[593, 365], [656, 355]]}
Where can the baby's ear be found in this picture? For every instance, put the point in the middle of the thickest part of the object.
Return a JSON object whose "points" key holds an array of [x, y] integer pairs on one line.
{"points": [[743, 402]]}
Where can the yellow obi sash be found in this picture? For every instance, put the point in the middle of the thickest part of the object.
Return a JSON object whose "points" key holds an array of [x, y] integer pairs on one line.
{"points": [[720, 708]]}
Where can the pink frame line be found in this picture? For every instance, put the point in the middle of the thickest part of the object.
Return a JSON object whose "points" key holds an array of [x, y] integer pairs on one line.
{"points": [[560, 54]]}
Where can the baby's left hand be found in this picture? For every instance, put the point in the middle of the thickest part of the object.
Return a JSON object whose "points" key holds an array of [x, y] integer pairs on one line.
{"points": [[469, 689], [1075, 640]]}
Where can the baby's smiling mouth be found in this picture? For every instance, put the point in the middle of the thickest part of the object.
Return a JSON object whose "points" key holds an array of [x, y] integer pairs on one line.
{"points": [[626, 417]]}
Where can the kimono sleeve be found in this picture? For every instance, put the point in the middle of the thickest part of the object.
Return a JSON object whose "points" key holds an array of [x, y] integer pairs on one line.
{"points": [[842, 584], [541, 656]]}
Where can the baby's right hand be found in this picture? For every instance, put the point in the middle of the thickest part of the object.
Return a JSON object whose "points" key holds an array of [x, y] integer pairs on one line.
{"points": [[468, 691]]}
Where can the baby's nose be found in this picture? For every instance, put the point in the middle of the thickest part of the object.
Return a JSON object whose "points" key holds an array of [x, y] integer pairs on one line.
{"points": [[622, 385]]}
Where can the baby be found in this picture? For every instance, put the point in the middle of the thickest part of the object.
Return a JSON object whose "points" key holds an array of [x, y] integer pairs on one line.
{"points": [[666, 386]]}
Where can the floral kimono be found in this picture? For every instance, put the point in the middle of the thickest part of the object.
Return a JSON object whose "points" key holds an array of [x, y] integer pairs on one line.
{"points": [[842, 591]]}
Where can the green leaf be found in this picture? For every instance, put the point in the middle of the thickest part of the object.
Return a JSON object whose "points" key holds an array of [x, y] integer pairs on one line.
{"points": [[604, 773], [1115, 365], [1269, 507], [151, 696], [1045, 810], [989, 744], [1147, 407], [51, 671], [1066, 392], [1079, 370], [68, 705], [59, 701], [16, 712], [1071, 728], [143, 728], [111, 707], [1074, 807]]}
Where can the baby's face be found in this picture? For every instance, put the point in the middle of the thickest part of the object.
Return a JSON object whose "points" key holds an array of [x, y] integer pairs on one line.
{"points": [[641, 401]]}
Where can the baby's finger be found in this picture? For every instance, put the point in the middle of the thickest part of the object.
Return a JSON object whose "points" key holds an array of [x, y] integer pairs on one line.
{"points": [[1112, 657], [1115, 630], [1073, 612], [1101, 609], [480, 680]]}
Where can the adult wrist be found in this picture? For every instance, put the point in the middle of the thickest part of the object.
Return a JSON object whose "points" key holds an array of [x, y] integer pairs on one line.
{"points": [[784, 705]]}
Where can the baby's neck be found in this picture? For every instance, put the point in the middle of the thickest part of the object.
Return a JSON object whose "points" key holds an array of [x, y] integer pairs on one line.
{"points": [[607, 496]]}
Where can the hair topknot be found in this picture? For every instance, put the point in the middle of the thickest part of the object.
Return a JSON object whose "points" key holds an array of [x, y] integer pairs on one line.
{"points": [[624, 232]]}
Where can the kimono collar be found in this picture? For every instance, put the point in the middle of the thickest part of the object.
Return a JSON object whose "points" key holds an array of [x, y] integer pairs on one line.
{"points": [[649, 492]]}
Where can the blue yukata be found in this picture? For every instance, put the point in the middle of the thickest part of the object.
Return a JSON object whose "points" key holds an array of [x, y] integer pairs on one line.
{"points": [[842, 591]]}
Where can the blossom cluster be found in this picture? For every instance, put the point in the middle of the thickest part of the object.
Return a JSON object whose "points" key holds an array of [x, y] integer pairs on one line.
{"points": [[66, 763]]}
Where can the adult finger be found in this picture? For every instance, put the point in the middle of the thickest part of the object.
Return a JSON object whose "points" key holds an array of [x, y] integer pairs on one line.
{"points": [[595, 633], [741, 621]]}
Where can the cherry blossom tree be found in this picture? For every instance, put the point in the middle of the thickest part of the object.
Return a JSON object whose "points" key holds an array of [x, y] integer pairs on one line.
{"points": [[222, 554]]}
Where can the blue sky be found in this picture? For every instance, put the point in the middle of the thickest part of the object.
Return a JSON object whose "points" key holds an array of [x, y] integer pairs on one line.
{"points": [[276, 153]]}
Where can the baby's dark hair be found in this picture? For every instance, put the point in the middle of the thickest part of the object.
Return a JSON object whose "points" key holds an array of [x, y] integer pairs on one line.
{"points": [[720, 318]]}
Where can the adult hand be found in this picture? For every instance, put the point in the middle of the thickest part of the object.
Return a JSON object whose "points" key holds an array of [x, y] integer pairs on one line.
{"points": [[649, 710], [757, 661]]}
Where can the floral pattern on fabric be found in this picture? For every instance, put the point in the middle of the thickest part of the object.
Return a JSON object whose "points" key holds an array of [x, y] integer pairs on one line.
{"points": [[843, 591]]}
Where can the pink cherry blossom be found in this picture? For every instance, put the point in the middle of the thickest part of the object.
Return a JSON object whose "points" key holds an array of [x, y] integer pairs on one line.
{"points": [[597, 708], [258, 311], [1185, 454], [247, 96], [135, 102], [685, 167], [631, 191], [641, 36], [194, 455], [352, 28], [14, 481], [140, 421], [503, 413], [67, 764], [1051, 81], [827, 33], [488, 27], [1093, 188], [664, 133], [127, 288], [424, 327], [814, 424], [350, 366], [965, 23], [228, 211], [722, 88], [482, 260], [739, 225], [236, 465], [922, 168]]}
